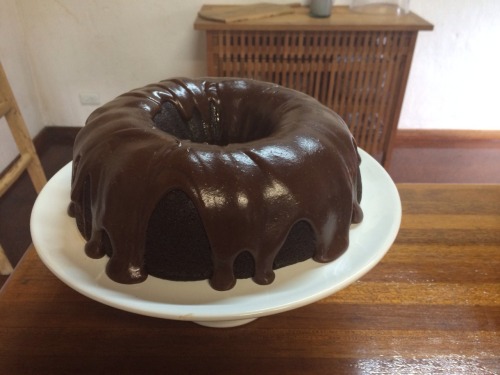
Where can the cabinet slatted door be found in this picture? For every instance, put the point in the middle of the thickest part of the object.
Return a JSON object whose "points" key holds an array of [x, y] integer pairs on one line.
{"points": [[357, 65]]}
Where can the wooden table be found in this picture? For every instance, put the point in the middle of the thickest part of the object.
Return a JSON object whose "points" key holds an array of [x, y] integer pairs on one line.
{"points": [[355, 63], [432, 306]]}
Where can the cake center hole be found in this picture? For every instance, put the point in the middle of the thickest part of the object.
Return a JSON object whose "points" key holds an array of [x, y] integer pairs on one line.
{"points": [[214, 127]]}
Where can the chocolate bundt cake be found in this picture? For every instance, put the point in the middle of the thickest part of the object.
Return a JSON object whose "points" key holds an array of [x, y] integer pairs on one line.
{"points": [[214, 179]]}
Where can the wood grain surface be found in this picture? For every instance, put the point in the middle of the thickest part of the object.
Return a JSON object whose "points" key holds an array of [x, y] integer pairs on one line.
{"points": [[244, 12], [431, 306], [342, 18]]}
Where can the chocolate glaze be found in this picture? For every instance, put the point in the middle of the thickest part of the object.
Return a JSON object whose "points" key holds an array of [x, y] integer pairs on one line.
{"points": [[255, 159]]}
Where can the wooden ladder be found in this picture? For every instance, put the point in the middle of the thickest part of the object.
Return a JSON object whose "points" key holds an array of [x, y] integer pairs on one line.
{"points": [[28, 159]]}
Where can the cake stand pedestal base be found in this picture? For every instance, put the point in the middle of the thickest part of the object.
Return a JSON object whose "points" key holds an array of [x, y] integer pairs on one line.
{"points": [[225, 323]]}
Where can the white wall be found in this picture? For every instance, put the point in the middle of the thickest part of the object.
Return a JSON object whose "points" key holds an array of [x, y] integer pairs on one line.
{"points": [[53, 50], [455, 81], [16, 63]]}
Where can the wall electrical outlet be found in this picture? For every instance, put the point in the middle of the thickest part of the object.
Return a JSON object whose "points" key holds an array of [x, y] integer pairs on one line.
{"points": [[90, 98]]}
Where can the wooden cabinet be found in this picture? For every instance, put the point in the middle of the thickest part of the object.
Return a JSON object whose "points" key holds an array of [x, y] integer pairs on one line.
{"points": [[356, 64]]}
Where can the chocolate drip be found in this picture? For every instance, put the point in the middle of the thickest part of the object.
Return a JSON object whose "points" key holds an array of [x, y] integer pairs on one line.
{"points": [[254, 158]]}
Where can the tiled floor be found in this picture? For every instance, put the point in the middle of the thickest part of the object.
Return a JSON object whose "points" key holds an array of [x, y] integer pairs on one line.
{"points": [[16, 204], [436, 164]]}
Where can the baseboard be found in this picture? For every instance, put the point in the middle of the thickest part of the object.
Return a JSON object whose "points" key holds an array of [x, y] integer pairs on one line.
{"points": [[47, 137], [447, 138], [51, 135]]}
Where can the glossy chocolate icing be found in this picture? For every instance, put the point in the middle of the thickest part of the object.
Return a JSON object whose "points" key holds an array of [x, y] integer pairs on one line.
{"points": [[254, 158]]}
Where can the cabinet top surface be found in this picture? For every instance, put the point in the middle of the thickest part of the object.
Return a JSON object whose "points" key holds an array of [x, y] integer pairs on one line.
{"points": [[342, 18]]}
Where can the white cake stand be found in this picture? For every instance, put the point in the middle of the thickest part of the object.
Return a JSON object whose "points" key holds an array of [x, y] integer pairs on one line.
{"points": [[60, 247]]}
